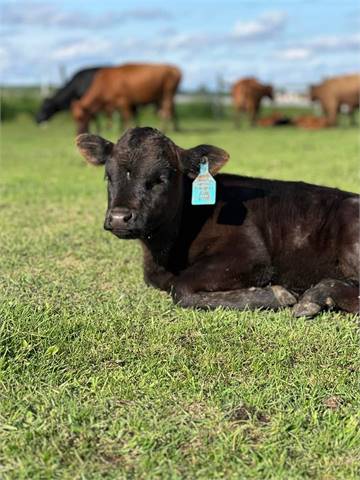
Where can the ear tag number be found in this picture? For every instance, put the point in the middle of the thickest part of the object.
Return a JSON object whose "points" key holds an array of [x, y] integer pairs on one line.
{"points": [[204, 186]]}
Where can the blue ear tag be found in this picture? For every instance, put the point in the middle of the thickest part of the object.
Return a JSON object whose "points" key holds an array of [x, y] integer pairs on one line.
{"points": [[204, 186]]}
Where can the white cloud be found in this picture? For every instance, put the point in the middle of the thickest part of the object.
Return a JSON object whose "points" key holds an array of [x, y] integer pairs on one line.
{"points": [[333, 42], [81, 48], [189, 41], [146, 14], [321, 45], [265, 25], [296, 53], [46, 14]]}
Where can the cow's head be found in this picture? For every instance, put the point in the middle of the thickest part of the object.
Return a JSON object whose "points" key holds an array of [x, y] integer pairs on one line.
{"points": [[47, 110], [145, 172], [269, 91], [314, 92]]}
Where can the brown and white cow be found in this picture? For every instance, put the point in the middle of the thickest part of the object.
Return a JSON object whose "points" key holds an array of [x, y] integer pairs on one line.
{"points": [[263, 244]]}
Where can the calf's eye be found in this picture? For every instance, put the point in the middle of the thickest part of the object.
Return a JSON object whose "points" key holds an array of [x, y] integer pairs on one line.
{"points": [[153, 183], [128, 175]]}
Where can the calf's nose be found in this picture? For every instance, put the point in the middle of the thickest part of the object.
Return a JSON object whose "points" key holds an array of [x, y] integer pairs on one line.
{"points": [[118, 218]]}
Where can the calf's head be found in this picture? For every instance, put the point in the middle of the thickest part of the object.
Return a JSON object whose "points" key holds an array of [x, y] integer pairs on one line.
{"points": [[145, 174]]}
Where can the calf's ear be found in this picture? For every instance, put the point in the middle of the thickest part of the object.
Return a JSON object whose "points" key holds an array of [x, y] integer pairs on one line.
{"points": [[93, 148], [190, 159]]}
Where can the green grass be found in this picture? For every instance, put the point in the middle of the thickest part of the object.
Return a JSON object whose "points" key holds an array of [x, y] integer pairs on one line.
{"points": [[102, 377]]}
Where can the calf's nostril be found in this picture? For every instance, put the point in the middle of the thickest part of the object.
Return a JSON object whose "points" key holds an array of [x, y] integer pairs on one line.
{"points": [[128, 217]]}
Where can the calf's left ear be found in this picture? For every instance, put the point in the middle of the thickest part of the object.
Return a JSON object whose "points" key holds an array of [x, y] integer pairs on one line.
{"points": [[93, 148], [190, 159]]}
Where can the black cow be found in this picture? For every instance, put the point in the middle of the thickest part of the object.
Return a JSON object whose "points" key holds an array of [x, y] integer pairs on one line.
{"points": [[264, 244], [72, 90]]}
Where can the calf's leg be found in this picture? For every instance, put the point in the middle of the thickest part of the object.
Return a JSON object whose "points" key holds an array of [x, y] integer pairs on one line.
{"points": [[328, 294], [210, 284], [274, 297]]}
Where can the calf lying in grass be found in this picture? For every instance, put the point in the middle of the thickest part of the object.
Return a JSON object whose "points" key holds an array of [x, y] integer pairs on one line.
{"points": [[263, 244]]}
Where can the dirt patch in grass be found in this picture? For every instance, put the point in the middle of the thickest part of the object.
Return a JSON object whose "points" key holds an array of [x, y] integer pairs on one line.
{"points": [[334, 402], [245, 413]]}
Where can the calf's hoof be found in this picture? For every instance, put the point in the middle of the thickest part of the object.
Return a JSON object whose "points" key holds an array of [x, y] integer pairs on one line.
{"points": [[306, 309], [283, 296]]}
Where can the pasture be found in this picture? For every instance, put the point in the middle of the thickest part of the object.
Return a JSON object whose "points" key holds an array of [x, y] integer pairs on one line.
{"points": [[103, 377]]}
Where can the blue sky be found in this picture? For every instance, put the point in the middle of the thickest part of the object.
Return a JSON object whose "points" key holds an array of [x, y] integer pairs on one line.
{"points": [[287, 42]]}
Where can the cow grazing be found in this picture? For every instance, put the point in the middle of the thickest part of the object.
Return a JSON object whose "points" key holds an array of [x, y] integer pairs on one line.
{"points": [[247, 94], [263, 244], [62, 99], [127, 87], [336, 92]]}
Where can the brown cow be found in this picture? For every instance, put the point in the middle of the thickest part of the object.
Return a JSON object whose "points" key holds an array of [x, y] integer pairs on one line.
{"points": [[335, 92], [127, 87], [247, 94]]}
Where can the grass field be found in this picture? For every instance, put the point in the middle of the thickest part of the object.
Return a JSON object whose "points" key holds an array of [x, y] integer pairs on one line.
{"points": [[102, 377]]}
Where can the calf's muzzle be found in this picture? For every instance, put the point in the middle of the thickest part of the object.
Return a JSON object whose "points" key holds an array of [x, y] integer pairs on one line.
{"points": [[119, 219]]}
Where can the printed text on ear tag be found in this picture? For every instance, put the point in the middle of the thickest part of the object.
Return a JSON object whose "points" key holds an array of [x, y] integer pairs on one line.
{"points": [[204, 186]]}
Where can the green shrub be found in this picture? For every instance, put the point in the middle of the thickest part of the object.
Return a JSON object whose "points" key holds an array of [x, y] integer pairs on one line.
{"points": [[12, 105]]}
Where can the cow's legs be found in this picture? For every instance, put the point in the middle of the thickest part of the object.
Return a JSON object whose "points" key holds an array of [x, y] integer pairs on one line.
{"points": [[97, 124], [175, 119], [331, 113], [166, 113], [353, 114], [328, 294], [82, 127], [126, 114], [237, 117], [135, 112], [253, 114], [274, 297], [109, 120]]}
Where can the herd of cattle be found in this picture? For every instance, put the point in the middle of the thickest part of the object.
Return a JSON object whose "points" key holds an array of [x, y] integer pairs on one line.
{"points": [[128, 87]]}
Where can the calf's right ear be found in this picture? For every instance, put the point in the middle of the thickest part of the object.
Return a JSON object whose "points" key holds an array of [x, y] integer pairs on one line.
{"points": [[190, 159], [94, 148]]}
